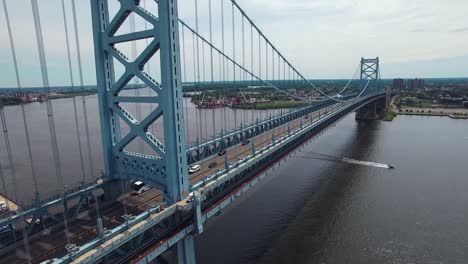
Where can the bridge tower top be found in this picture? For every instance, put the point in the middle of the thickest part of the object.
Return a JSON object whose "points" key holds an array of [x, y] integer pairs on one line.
{"points": [[370, 69]]}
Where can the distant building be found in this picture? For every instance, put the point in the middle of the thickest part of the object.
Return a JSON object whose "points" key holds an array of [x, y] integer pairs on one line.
{"points": [[415, 84], [452, 100], [398, 83]]}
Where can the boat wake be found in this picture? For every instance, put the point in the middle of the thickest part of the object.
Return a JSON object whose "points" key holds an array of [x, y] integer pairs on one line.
{"points": [[319, 156]]}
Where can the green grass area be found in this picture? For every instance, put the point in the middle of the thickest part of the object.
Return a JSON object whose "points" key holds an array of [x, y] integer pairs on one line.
{"points": [[425, 104], [389, 115]]}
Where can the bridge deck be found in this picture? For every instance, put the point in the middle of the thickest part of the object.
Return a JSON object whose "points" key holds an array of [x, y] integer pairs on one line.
{"points": [[47, 244]]}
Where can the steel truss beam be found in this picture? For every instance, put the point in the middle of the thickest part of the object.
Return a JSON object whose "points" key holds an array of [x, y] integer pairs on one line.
{"points": [[41, 216], [163, 169], [370, 73], [166, 169], [370, 69]]}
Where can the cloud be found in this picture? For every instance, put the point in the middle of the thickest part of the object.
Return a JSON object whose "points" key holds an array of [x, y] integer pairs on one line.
{"points": [[322, 38], [458, 30]]}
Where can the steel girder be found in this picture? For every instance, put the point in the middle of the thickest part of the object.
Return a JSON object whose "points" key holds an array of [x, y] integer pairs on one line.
{"points": [[370, 74], [224, 141], [164, 168], [39, 217]]}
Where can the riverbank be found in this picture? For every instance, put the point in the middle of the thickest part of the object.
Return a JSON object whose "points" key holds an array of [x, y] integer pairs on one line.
{"points": [[389, 115], [17, 100], [457, 113], [270, 105], [434, 114]]}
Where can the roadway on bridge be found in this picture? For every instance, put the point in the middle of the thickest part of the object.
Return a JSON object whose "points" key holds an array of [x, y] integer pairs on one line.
{"points": [[49, 244]]}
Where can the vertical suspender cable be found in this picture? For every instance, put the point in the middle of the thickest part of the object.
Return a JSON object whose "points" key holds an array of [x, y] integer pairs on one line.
{"points": [[9, 153], [45, 82], [80, 73], [75, 111], [198, 112], [233, 59], [23, 112], [149, 70], [187, 127], [244, 77], [198, 47], [211, 62], [50, 110], [259, 56], [204, 80], [194, 80], [2, 174], [233, 44], [224, 64], [135, 80], [252, 64]]}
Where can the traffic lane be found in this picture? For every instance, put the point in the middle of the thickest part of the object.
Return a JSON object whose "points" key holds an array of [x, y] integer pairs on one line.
{"points": [[242, 151], [264, 139], [234, 150]]}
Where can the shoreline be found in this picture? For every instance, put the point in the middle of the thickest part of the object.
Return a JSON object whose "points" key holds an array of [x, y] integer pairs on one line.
{"points": [[433, 114]]}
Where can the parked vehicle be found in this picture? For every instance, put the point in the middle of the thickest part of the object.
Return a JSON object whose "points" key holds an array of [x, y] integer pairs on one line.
{"points": [[194, 168]]}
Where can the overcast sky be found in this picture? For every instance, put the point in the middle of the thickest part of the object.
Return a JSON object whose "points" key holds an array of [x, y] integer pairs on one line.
{"points": [[322, 38]]}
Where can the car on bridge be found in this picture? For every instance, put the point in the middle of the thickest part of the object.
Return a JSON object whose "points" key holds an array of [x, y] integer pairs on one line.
{"points": [[245, 142], [6, 228], [140, 187], [3, 206], [212, 164], [222, 152], [194, 168]]}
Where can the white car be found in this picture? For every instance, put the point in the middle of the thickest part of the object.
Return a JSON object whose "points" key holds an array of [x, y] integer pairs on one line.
{"points": [[194, 168], [3, 206]]}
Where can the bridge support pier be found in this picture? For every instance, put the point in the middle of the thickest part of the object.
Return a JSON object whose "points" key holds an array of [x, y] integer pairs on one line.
{"points": [[371, 111], [186, 250]]}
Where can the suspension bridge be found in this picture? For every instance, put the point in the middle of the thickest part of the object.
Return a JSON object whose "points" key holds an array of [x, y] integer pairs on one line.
{"points": [[192, 162]]}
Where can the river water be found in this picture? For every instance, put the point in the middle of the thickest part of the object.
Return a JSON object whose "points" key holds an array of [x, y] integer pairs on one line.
{"points": [[310, 210], [316, 211], [67, 137]]}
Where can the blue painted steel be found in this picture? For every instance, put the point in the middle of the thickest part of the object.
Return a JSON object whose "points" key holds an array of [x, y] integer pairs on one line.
{"points": [[164, 169], [370, 75], [45, 205], [167, 168]]}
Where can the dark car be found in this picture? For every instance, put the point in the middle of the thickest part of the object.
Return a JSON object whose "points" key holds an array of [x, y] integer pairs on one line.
{"points": [[222, 152], [245, 142], [212, 165]]}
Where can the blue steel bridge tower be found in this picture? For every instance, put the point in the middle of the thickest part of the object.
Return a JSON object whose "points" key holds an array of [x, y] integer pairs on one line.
{"points": [[370, 74], [167, 170]]}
